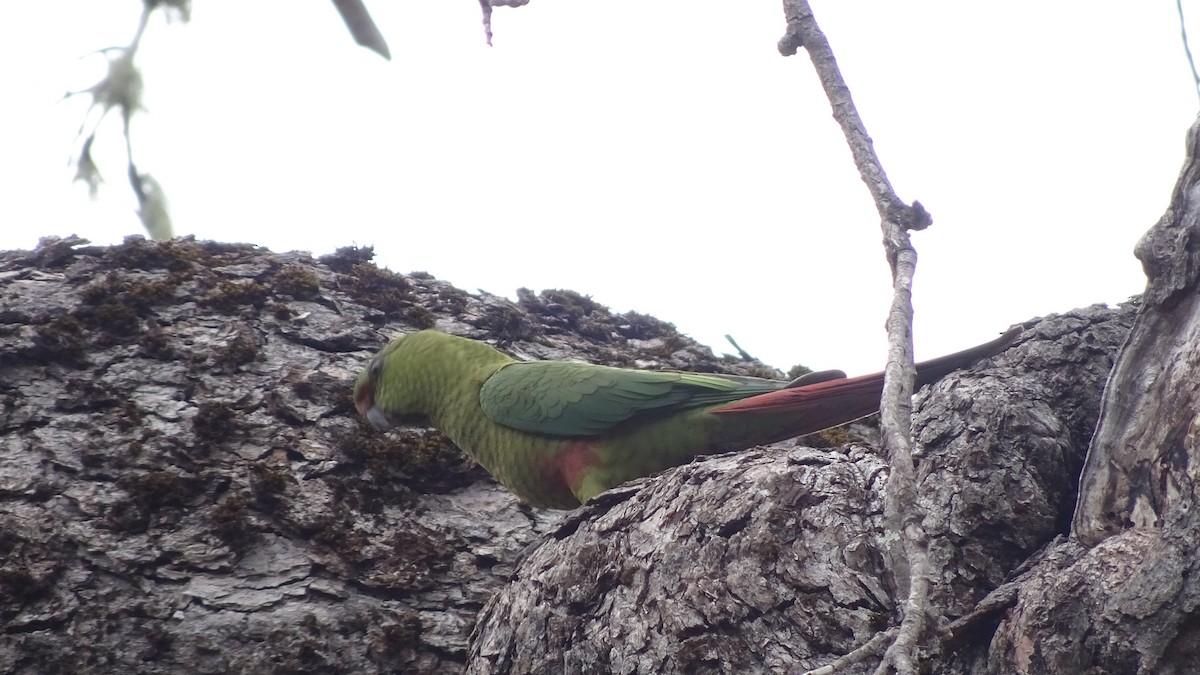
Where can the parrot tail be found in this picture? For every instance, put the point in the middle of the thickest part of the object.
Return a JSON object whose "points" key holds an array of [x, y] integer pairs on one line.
{"points": [[813, 406]]}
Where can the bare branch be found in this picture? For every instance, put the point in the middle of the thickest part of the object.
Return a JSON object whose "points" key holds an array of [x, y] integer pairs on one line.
{"points": [[362, 26], [487, 5], [1187, 48], [910, 565], [866, 651], [802, 30]]}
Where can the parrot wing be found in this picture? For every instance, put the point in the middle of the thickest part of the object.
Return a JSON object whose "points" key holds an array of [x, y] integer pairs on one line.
{"points": [[577, 399]]}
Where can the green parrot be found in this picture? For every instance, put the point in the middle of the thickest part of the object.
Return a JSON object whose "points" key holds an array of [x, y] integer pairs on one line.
{"points": [[558, 433]]}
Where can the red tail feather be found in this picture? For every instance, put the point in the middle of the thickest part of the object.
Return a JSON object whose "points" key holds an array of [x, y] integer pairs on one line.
{"points": [[831, 403], [817, 406]]}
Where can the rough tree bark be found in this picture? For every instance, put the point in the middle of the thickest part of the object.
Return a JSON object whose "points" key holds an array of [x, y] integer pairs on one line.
{"points": [[184, 487], [1123, 595], [774, 560]]}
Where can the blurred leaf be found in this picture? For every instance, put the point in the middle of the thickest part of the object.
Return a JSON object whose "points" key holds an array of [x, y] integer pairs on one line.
{"points": [[121, 88], [152, 203], [183, 8], [86, 169]]}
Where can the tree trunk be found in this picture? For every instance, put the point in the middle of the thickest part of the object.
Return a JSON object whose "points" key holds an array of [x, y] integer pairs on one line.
{"points": [[184, 488], [1123, 596], [773, 560], [184, 485]]}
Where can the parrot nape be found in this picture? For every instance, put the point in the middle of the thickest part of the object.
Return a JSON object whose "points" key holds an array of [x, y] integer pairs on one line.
{"points": [[559, 433]]}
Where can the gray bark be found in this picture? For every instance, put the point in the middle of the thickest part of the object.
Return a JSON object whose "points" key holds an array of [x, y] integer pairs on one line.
{"points": [[1124, 594], [773, 560], [184, 486], [1144, 462]]}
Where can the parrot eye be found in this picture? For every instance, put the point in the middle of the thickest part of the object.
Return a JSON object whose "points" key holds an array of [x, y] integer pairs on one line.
{"points": [[376, 368]]}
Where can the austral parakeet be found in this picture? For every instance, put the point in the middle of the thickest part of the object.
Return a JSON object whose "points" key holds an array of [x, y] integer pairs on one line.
{"points": [[559, 433]]}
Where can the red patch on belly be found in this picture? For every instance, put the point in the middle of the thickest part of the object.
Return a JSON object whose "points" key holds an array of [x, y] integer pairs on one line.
{"points": [[573, 461]]}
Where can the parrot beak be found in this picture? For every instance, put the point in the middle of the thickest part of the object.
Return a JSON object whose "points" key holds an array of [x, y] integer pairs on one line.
{"points": [[364, 400], [379, 419]]}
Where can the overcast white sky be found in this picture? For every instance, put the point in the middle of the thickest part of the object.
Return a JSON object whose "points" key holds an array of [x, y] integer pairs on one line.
{"points": [[658, 156]]}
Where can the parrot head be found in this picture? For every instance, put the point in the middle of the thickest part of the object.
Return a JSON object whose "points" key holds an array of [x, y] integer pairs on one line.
{"points": [[420, 378], [364, 389], [381, 393]]}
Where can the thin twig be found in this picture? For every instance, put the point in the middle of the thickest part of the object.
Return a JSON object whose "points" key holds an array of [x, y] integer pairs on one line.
{"points": [[903, 516], [741, 352], [1187, 49], [865, 651], [987, 609], [362, 27], [486, 6], [803, 31]]}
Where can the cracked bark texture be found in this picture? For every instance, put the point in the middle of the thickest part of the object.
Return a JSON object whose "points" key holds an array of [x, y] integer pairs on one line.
{"points": [[1123, 596], [184, 486], [999, 457], [773, 560]]}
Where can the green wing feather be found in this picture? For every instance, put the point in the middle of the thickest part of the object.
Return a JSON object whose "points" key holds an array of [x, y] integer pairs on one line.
{"points": [[577, 399]]}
